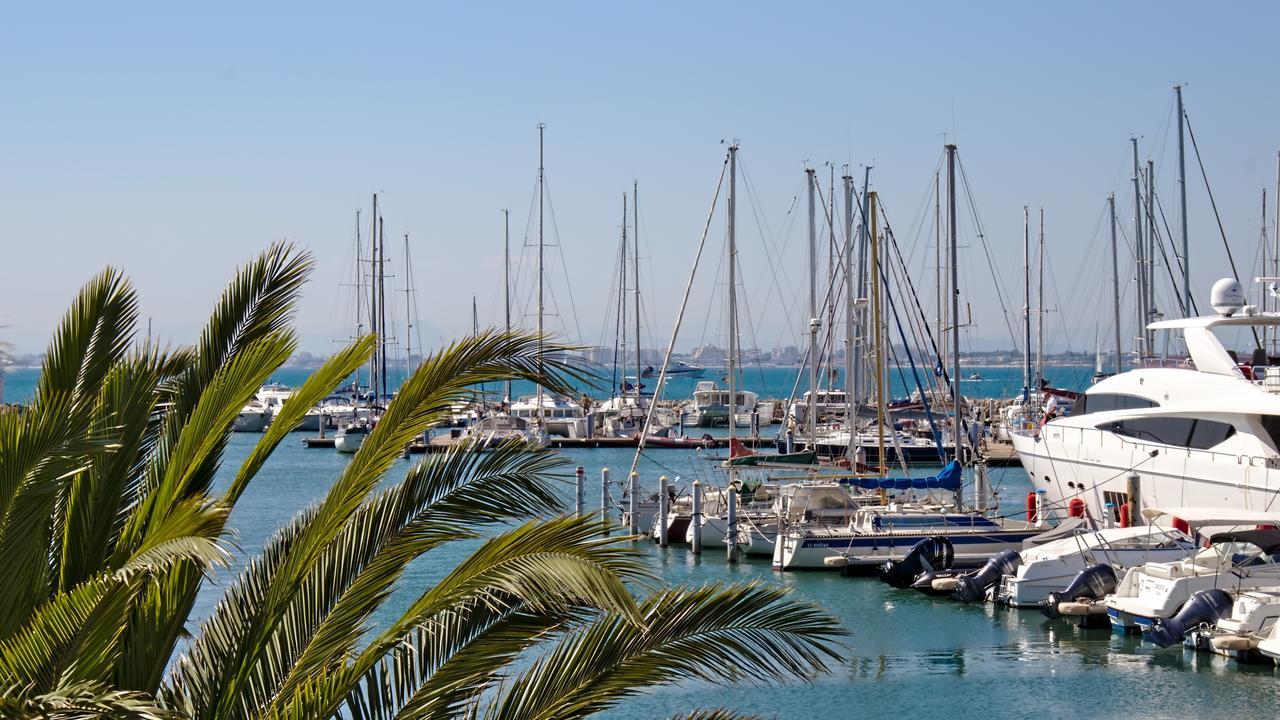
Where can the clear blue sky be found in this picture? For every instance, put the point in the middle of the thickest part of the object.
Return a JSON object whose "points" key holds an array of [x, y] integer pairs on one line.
{"points": [[175, 141]]}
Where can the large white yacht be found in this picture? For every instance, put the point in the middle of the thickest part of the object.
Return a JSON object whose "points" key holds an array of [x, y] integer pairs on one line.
{"points": [[560, 416], [1204, 431]]}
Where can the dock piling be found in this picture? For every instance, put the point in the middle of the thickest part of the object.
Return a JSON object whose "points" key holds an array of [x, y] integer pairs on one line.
{"points": [[695, 521], [633, 503], [731, 524], [604, 499], [579, 478]]}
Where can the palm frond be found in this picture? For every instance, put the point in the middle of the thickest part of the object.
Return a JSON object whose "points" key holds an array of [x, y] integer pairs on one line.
{"points": [[716, 714], [81, 701], [720, 634]]}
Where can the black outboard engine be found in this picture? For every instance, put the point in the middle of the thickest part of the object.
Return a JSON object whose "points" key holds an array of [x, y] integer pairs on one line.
{"points": [[1093, 583], [974, 586], [934, 553], [1205, 606]]}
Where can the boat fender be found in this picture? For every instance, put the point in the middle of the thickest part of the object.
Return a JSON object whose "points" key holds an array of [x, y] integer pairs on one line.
{"points": [[1092, 583], [931, 553], [937, 582], [1124, 515], [1075, 508], [1204, 607], [1180, 524], [973, 586], [1031, 507]]}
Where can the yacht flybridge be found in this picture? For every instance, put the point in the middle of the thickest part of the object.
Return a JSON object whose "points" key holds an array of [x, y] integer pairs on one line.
{"points": [[1204, 431]]}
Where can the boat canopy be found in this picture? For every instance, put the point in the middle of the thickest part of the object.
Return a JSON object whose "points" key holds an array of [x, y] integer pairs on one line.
{"points": [[1200, 517], [949, 478], [1268, 540]]}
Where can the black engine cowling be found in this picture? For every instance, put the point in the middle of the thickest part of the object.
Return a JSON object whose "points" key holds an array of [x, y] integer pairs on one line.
{"points": [[934, 553], [1093, 583], [1205, 606], [974, 585]]}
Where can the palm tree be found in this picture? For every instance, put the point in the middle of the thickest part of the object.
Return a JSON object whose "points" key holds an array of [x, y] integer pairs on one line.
{"points": [[109, 525]]}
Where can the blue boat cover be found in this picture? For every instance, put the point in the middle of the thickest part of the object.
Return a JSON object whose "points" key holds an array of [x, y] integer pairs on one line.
{"points": [[949, 479]]}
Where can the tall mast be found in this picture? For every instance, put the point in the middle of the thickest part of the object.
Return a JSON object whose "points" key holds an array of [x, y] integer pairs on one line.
{"points": [[732, 250], [1152, 312], [956, 397], [1040, 313], [1140, 259], [1026, 277], [506, 282], [859, 368], [849, 298], [622, 306], [359, 293], [541, 184], [877, 332], [1182, 191], [1275, 256], [635, 253], [811, 420], [373, 296], [941, 315], [1263, 242], [408, 311], [382, 306], [1115, 281]]}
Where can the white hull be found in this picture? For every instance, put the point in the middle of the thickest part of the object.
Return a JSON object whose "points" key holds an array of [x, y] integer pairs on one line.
{"points": [[251, 421], [348, 444]]}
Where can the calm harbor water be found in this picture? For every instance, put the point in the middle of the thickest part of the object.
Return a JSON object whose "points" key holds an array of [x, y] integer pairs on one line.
{"points": [[908, 655]]}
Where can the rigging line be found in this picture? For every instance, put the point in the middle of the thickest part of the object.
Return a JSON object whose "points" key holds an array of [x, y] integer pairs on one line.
{"points": [[773, 253], [675, 330], [1216, 216], [1168, 267], [555, 230], [986, 248], [1169, 234]]}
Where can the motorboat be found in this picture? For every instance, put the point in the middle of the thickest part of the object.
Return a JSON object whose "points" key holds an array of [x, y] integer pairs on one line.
{"points": [[806, 503], [711, 407], [253, 417], [559, 415], [1052, 566], [1239, 634], [1234, 561], [676, 369], [1202, 431]]}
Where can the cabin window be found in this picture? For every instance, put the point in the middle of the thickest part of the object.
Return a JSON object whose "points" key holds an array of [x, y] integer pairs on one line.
{"points": [[1103, 402], [1271, 423], [1178, 431]]}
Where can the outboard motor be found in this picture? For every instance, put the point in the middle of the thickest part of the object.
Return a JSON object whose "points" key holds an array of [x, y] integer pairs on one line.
{"points": [[1092, 583], [974, 585], [934, 553], [1205, 607]]}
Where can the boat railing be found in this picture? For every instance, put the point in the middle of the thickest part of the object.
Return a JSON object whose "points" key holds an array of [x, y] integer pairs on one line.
{"points": [[1183, 363]]}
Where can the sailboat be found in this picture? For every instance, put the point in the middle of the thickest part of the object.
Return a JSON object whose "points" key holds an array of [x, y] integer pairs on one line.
{"points": [[351, 435]]}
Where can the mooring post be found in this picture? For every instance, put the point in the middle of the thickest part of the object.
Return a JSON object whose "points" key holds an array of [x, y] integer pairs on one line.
{"points": [[579, 478], [633, 503], [696, 519], [731, 524], [663, 508], [604, 499]]}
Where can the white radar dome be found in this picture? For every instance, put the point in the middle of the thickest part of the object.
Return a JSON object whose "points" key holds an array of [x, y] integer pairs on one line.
{"points": [[1227, 297]]}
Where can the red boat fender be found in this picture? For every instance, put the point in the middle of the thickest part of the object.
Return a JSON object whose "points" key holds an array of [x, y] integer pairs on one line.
{"points": [[1075, 508], [1124, 515], [1031, 507], [1180, 524]]}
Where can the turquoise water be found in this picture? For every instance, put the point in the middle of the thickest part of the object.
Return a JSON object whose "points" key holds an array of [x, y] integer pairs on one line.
{"points": [[908, 655]]}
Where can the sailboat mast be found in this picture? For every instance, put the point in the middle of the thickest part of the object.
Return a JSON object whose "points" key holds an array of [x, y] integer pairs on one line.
{"points": [[635, 254], [1040, 313], [1140, 260], [1115, 281], [1182, 191], [382, 306], [811, 419], [622, 308], [850, 296], [506, 281], [541, 247], [408, 311], [859, 368], [359, 293], [732, 250], [957, 398], [373, 296], [1275, 256], [877, 332], [1152, 311], [1026, 277], [939, 267]]}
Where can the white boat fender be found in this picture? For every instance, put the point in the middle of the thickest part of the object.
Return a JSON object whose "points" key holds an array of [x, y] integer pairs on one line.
{"points": [[1080, 608], [1234, 643], [835, 561], [1092, 583], [1206, 606], [973, 586]]}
